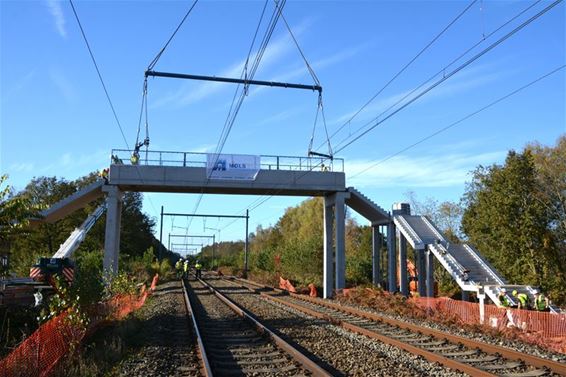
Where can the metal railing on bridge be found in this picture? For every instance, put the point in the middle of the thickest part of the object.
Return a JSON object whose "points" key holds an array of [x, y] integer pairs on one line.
{"points": [[196, 159]]}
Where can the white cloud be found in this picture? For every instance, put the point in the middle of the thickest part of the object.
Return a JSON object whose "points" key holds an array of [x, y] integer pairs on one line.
{"points": [[80, 164], [57, 12], [65, 86], [21, 167], [423, 171]]}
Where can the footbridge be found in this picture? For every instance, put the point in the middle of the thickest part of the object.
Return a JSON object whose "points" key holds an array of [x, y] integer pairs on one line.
{"points": [[462, 261], [187, 172]]}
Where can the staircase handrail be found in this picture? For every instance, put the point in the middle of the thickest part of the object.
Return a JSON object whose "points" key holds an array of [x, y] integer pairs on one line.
{"points": [[431, 226], [487, 267], [411, 232]]}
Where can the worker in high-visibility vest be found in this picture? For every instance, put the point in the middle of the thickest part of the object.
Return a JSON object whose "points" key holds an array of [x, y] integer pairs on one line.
{"points": [[522, 299], [198, 268], [541, 302], [179, 267], [502, 297], [186, 268]]}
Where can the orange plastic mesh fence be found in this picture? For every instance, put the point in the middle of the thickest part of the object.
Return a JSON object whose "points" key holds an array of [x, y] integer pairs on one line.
{"points": [[38, 355], [543, 328]]}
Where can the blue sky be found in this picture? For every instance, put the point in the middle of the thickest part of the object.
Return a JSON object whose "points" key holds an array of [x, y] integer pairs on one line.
{"points": [[55, 119]]}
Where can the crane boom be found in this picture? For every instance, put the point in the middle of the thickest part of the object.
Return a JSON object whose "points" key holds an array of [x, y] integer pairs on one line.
{"points": [[77, 237]]}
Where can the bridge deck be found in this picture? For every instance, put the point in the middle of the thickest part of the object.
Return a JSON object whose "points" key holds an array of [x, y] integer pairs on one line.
{"points": [[194, 180]]}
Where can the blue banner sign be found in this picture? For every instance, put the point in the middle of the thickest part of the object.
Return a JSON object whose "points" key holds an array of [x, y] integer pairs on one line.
{"points": [[240, 167]]}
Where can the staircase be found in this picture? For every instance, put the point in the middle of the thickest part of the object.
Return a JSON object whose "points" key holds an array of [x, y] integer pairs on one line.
{"points": [[366, 207], [459, 260]]}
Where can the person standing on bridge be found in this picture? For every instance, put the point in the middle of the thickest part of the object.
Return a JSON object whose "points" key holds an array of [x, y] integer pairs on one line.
{"points": [[541, 302], [198, 268], [522, 300], [502, 297]]}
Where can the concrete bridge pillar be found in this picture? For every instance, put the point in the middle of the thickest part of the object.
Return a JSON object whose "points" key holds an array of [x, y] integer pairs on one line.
{"points": [[429, 274], [391, 259], [112, 235], [376, 243], [421, 272], [328, 255], [340, 245], [403, 280]]}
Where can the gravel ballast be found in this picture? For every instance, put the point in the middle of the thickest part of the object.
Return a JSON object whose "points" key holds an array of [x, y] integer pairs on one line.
{"points": [[164, 345], [345, 353]]}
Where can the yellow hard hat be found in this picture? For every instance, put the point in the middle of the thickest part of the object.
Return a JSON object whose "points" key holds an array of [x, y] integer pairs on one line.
{"points": [[514, 292]]}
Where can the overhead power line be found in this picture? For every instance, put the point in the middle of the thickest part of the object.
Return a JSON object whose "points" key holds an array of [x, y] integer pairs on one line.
{"points": [[99, 74], [106, 92], [259, 201], [455, 71], [158, 56], [441, 71], [461, 120], [407, 65]]}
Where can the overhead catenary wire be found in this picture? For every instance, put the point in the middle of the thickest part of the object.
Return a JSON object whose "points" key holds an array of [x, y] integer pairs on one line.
{"points": [[460, 56], [104, 87], [452, 73], [463, 119], [406, 66], [259, 201], [152, 64], [99, 74], [233, 110]]}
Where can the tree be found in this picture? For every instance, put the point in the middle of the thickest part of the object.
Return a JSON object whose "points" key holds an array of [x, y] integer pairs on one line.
{"points": [[508, 222]]}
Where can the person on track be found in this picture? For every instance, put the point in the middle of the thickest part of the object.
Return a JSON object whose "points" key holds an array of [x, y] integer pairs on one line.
{"points": [[186, 268], [198, 268], [179, 267]]}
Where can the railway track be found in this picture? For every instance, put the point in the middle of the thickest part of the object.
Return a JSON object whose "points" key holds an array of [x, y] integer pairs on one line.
{"points": [[469, 356], [233, 343]]}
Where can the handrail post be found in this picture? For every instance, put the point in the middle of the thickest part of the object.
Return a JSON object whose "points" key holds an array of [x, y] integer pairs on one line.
{"points": [[184, 159]]}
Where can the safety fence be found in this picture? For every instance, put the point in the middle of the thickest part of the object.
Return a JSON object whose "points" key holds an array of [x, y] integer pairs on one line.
{"points": [[39, 354], [542, 328]]}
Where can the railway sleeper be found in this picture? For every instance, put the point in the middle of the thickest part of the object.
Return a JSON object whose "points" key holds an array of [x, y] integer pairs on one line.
{"points": [[531, 373]]}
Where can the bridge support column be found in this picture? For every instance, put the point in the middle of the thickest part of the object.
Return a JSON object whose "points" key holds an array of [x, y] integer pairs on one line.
{"points": [[340, 245], [112, 235], [328, 255], [421, 272], [391, 259], [376, 254], [403, 281], [429, 274]]}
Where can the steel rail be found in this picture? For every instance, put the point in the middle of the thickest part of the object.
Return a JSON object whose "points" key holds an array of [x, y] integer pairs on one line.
{"points": [[534, 361], [430, 356], [206, 370], [298, 356], [507, 353]]}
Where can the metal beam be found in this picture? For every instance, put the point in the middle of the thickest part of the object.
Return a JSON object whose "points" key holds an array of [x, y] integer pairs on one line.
{"points": [[232, 80], [201, 215]]}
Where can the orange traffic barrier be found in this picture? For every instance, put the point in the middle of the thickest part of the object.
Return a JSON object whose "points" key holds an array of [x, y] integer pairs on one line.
{"points": [[286, 285]]}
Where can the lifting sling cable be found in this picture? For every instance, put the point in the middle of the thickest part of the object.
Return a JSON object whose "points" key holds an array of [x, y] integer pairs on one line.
{"points": [[316, 81], [145, 142]]}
